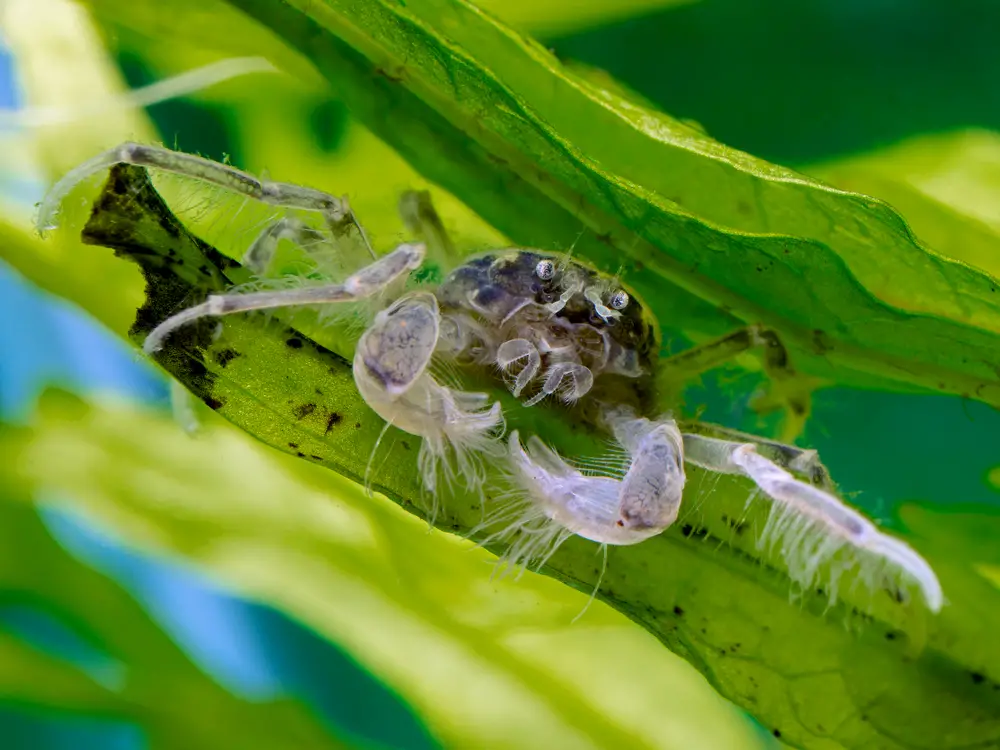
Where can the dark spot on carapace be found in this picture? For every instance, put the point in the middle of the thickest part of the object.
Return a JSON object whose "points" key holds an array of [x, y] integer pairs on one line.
{"points": [[678, 611], [406, 445], [294, 343], [332, 421], [300, 454], [357, 425], [304, 411], [890, 636], [977, 677], [213, 403], [314, 457], [776, 733], [293, 446], [226, 356]]}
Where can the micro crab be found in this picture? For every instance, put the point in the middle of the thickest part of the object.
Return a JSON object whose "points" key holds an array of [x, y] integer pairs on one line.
{"points": [[551, 328]]}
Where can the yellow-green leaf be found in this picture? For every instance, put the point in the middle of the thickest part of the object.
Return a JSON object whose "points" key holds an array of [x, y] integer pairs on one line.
{"points": [[484, 662]]}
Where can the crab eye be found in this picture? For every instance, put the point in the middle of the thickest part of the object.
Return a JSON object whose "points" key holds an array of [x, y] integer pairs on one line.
{"points": [[619, 300], [545, 270]]}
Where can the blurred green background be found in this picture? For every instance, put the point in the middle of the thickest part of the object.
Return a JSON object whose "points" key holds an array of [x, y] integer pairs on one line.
{"points": [[815, 85]]}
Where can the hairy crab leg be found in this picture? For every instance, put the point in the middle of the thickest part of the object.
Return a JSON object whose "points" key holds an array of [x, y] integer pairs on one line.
{"points": [[622, 510], [812, 525], [513, 351], [802, 461], [390, 369], [423, 221], [364, 283], [579, 381], [337, 211], [260, 254]]}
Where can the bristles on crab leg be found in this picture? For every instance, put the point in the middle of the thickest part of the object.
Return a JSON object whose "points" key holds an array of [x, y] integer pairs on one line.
{"points": [[364, 283], [811, 526], [336, 211]]}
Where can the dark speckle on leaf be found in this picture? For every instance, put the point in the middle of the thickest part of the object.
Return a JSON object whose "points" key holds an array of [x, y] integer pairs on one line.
{"points": [[213, 403], [305, 410], [977, 677], [226, 356], [332, 421], [678, 611], [693, 531], [735, 524], [327, 352]]}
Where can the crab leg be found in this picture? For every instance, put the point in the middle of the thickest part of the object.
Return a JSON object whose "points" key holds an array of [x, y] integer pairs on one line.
{"points": [[390, 370], [364, 283], [812, 525], [336, 211]]}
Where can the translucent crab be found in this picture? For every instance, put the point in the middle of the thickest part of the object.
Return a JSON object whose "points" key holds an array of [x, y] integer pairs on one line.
{"points": [[550, 328]]}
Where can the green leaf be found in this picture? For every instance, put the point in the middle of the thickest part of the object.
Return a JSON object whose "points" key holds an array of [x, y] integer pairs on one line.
{"points": [[541, 155], [947, 187], [562, 17], [496, 663], [700, 587]]}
